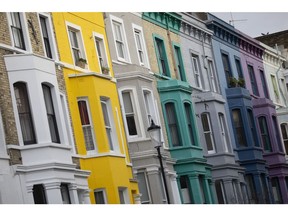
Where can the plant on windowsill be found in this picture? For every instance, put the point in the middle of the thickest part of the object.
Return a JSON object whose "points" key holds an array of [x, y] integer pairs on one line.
{"points": [[233, 82], [241, 82], [105, 70], [81, 62]]}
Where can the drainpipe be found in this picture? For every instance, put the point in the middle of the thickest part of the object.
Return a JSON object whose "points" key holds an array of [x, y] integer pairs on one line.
{"points": [[171, 47]]}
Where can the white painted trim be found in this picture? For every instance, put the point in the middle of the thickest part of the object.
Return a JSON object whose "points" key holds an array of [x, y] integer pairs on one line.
{"points": [[126, 47], [146, 59], [100, 36], [81, 42], [26, 36], [91, 152], [50, 34]]}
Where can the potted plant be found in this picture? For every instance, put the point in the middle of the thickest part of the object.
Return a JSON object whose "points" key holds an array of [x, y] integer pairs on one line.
{"points": [[241, 82], [105, 70], [81, 62], [233, 82]]}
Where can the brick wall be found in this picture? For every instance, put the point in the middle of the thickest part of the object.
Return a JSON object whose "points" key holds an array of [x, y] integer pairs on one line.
{"points": [[4, 30]]}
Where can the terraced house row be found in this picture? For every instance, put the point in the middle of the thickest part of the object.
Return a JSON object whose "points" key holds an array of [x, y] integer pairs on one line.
{"points": [[79, 91]]}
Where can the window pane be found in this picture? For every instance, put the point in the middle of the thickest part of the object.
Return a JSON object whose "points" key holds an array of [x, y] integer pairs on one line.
{"points": [[39, 194], [24, 113], [83, 113], [43, 22], [65, 194], [129, 111], [263, 81], [143, 188], [238, 125], [17, 30], [220, 191], [172, 124], [276, 190], [207, 131], [99, 197], [253, 80], [185, 189], [285, 136], [264, 134], [189, 122]]}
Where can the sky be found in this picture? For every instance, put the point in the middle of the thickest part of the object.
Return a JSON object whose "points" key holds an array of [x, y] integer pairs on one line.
{"points": [[256, 23]]}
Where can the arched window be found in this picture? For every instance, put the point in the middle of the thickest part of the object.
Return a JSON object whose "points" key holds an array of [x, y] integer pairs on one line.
{"points": [[24, 113], [208, 134], [238, 126], [50, 114], [264, 134], [172, 124], [188, 113]]}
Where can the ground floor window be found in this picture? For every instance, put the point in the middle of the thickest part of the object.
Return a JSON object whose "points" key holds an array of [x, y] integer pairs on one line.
{"points": [[185, 189], [220, 191], [39, 194]]}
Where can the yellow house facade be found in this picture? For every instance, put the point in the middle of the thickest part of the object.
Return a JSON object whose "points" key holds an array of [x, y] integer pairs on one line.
{"points": [[94, 107]]}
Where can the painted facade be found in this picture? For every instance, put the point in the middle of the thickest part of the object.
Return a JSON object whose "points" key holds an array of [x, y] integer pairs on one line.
{"points": [[163, 43], [227, 175], [237, 57], [138, 95], [95, 108], [36, 122]]}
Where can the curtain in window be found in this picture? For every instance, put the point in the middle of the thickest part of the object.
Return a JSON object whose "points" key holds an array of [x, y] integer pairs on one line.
{"points": [[86, 126], [50, 114], [25, 116], [172, 124]]}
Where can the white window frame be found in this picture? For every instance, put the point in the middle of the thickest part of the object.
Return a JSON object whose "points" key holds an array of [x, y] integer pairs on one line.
{"points": [[277, 99], [139, 29], [103, 192], [114, 19], [209, 132], [285, 124], [197, 74], [89, 152], [147, 186], [124, 190], [101, 39], [212, 76], [26, 37], [137, 113], [224, 131], [112, 128], [50, 35], [80, 41]]}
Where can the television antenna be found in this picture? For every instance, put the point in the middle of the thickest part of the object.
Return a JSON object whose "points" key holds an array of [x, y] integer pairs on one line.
{"points": [[232, 21]]}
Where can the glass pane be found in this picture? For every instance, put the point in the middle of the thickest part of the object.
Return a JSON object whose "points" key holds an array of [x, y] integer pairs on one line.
{"points": [[173, 127], [88, 136], [127, 102], [220, 191], [143, 188], [131, 125], [65, 194], [99, 197], [83, 113], [105, 114], [39, 194], [120, 49]]}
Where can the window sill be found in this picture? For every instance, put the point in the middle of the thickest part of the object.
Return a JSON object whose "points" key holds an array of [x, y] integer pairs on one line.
{"points": [[97, 155]]}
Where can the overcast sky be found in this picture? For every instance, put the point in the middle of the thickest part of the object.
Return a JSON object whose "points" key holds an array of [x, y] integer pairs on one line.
{"points": [[255, 23]]}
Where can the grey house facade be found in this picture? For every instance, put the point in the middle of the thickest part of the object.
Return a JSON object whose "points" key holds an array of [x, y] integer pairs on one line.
{"points": [[227, 175], [140, 104]]}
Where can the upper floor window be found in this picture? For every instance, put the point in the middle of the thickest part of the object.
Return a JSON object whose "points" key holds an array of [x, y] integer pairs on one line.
{"points": [[264, 85], [101, 53], [148, 100], [226, 67], [251, 122], [284, 130], [264, 134], [161, 57], [238, 67], [100, 196], [17, 30], [275, 89], [196, 70], [50, 114], [223, 129], [76, 44], [172, 124], [188, 113], [120, 39], [253, 80], [239, 129], [24, 113], [39, 194], [208, 134], [143, 187], [179, 63], [109, 126], [277, 133], [45, 35], [129, 109], [212, 74], [87, 126]]}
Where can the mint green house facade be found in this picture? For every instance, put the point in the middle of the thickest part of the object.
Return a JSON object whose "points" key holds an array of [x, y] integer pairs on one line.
{"points": [[193, 173]]}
